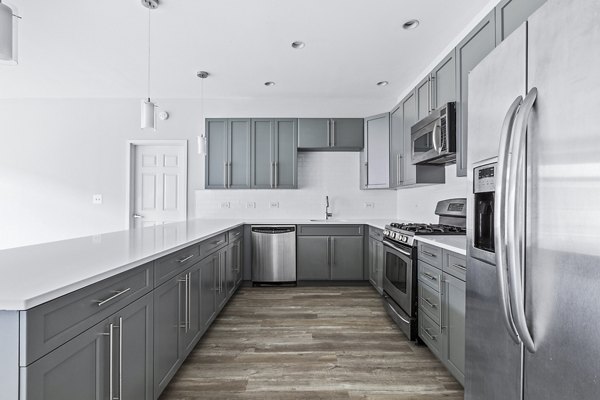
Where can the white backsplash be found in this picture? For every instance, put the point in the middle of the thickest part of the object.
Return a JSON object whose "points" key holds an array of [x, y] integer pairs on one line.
{"points": [[319, 174]]}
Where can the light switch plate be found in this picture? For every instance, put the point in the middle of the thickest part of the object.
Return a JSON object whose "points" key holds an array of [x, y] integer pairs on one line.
{"points": [[250, 204], [369, 204], [225, 204], [274, 204], [97, 199]]}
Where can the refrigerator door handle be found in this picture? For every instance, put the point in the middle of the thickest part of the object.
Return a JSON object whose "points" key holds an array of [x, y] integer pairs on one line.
{"points": [[500, 233], [516, 218]]}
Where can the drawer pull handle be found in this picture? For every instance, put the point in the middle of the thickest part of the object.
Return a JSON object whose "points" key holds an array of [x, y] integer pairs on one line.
{"points": [[433, 278], [218, 242], [182, 260], [459, 266], [429, 254], [428, 333], [117, 294], [429, 303]]}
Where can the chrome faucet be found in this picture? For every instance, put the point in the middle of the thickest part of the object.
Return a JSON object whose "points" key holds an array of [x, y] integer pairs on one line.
{"points": [[328, 214]]}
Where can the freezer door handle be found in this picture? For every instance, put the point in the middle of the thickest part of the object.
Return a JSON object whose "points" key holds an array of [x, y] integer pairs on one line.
{"points": [[516, 218], [500, 233]]}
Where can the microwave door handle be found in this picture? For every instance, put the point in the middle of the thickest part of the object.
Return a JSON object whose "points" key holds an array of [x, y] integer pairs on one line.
{"points": [[434, 138], [500, 234], [516, 219]]}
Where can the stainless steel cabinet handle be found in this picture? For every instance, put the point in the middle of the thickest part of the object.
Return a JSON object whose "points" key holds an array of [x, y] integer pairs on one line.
{"points": [[500, 233], [427, 274], [182, 260], [332, 251], [329, 251], [276, 174], [431, 94], [429, 254], [428, 333], [110, 360], [120, 359], [225, 175], [516, 218], [328, 133], [272, 174], [185, 299], [117, 294], [230, 175], [430, 303], [333, 132], [459, 266]]}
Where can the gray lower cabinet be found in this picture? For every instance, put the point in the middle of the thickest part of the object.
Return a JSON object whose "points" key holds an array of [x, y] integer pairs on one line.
{"points": [[469, 52], [274, 158], [346, 258], [313, 258], [510, 14], [208, 273], [330, 134], [375, 158], [81, 368], [376, 264], [227, 164], [234, 266], [453, 325], [221, 278]]}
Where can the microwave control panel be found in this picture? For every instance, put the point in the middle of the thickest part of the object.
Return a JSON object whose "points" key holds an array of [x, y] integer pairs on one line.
{"points": [[484, 178]]}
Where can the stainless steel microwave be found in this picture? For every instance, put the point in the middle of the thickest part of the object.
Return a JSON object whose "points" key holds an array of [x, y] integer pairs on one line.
{"points": [[433, 139]]}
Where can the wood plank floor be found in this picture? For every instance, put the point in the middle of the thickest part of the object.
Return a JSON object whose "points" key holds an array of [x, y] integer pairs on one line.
{"points": [[309, 343]]}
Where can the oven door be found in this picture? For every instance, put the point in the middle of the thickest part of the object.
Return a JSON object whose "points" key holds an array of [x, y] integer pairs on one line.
{"points": [[398, 275]]}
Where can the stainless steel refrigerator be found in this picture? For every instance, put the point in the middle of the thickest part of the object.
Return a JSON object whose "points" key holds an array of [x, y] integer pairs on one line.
{"points": [[533, 277]]}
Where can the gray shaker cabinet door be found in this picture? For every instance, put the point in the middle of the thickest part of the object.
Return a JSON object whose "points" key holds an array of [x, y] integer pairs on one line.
{"points": [[76, 370], [376, 152], [286, 153], [453, 326], [396, 147], [510, 14], [313, 258], [314, 133], [478, 44], [238, 147], [221, 279], [409, 115], [216, 158], [423, 91], [189, 304], [263, 159], [443, 80], [234, 266], [346, 258], [135, 349], [207, 291], [347, 133], [379, 254]]}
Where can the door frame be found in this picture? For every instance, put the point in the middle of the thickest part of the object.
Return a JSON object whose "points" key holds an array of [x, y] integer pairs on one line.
{"points": [[130, 190]]}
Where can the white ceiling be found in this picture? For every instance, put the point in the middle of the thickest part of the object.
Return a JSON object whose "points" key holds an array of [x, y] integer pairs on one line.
{"points": [[88, 49]]}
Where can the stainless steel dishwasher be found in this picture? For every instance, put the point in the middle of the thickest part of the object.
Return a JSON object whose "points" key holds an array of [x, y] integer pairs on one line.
{"points": [[273, 254]]}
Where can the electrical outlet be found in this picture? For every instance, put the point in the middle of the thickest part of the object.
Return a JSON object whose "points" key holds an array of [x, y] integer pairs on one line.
{"points": [[250, 204], [369, 205], [97, 199], [274, 204], [225, 204]]}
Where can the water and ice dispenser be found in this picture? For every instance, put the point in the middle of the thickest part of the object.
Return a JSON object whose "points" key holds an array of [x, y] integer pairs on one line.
{"points": [[484, 183]]}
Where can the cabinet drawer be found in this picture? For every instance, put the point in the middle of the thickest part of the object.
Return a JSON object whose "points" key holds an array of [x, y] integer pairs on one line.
{"points": [[430, 276], [376, 233], [430, 301], [236, 233], [54, 323], [213, 244], [168, 266], [455, 265], [431, 254], [330, 230], [431, 334]]}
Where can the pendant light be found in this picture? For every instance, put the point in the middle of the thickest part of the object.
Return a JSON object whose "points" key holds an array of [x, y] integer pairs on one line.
{"points": [[202, 143], [7, 35], [148, 107]]}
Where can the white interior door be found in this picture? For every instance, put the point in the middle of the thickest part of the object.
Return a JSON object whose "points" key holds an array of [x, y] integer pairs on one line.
{"points": [[159, 184]]}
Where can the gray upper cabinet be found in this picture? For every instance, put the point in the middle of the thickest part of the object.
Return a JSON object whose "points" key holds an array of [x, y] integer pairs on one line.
{"points": [[443, 82], [510, 14], [471, 50], [410, 117], [397, 147], [375, 163], [423, 92], [228, 159], [274, 154], [330, 134]]}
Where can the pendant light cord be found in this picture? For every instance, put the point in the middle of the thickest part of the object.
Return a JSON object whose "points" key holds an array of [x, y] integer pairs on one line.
{"points": [[149, 54]]}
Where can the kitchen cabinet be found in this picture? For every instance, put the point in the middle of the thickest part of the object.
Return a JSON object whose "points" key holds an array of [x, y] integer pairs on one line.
{"points": [[330, 134], [221, 278], [510, 14], [397, 151], [423, 93], [274, 163], [375, 158], [234, 266], [409, 118], [469, 52], [228, 154], [443, 82], [329, 252], [376, 263], [208, 273], [453, 325]]}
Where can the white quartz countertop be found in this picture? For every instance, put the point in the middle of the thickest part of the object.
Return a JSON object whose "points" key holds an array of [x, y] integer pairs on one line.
{"points": [[455, 243], [33, 275]]}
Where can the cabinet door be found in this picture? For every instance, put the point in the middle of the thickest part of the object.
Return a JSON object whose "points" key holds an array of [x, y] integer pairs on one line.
{"points": [[443, 81], [377, 151], [314, 133], [221, 279], [313, 258], [372, 262], [134, 350], [286, 153], [510, 14], [478, 44], [409, 114], [238, 148], [347, 133], [76, 370], [346, 258], [453, 326], [396, 147], [423, 91], [189, 308], [216, 157], [207, 290], [234, 270], [379, 255], [263, 163], [167, 323]]}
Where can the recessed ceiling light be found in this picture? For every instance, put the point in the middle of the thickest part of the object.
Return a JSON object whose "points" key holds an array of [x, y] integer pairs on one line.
{"points": [[298, 45], [269, 83], [412, 24], [382, 83]]}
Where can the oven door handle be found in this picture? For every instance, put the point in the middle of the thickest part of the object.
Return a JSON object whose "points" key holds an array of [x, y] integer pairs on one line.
{"points": [[406, 253]]}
